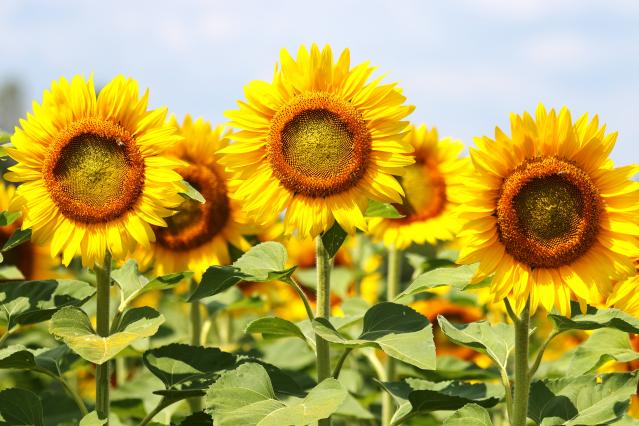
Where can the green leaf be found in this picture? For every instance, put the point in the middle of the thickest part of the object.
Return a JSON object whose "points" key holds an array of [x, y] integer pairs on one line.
{"points": [[584, 400], [416, 396], [494, 340], [92, 419], [333, 239], [398, 330], [453, 368], [192, 193], [246, 396], [611, 318], [263, 262], [179, 364], [18, 237], [29, 302], [4, 137], [134, 284], [469, 415], [73, 326], [458, 277], [275, 327], [7, 218], [602, 346], [198, 419], [10, 272], [385, 210], [19, 407], [55, 360]]}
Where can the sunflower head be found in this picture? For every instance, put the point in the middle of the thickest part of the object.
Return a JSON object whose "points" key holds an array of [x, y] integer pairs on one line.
{"points": [[93, 171], [548, 213], [197, 236], [319, 141], [430, 196]]}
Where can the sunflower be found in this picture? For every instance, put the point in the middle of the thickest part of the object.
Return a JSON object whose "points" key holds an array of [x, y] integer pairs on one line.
{"points": [[549, 215], [431, 186], [318, 142], [93, 170], [32, 260], [198, 235]]}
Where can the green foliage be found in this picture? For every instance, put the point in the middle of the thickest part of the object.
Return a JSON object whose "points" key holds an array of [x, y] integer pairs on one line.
{"points": [[333, 239], [385, 210], [92, 419], [246, 396], [602, 346], [55, 361], [469, 415], [596, 319], [19, 236], [458, 277], [30, 302], [20, 407], [396, 329], [275, 327], [191, 193], [73, 326], [7, 217], [584, 400]]}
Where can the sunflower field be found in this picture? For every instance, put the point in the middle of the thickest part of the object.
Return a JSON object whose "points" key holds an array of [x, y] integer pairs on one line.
{"points": [[318, 259]]}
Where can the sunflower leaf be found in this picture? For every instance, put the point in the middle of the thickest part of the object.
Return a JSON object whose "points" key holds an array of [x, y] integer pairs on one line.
{"points": [[4, 137], [458, 277], [18, 237], [333, 239], [73, 326], [385, 210], [7, 217], [584, 400], [398, 330], [246, 396], [274, 327], [603, 345], [595, 319], [92, 419], [56, 360], [192, 193], [20, 407], [30, 302], [469, 415]]}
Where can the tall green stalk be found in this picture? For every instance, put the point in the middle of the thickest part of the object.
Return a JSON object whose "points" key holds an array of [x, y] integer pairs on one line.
{"points": [[196, 340], [522, 379], [103, 284], [323, 311], [392, 290]]}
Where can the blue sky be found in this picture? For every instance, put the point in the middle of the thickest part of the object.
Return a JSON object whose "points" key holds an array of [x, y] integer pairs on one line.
{"points": [[465, 64]]}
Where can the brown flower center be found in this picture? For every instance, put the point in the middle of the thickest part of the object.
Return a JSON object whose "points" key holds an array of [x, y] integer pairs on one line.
{"points": [[196, 224], [94, 171], [318, 145], [548, 212], [425, 190]]}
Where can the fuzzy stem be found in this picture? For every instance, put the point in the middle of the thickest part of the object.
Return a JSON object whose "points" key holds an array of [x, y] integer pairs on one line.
{"points": [[302, 295], [323, 311], [103, 284], [392, 290], [522, 380]]}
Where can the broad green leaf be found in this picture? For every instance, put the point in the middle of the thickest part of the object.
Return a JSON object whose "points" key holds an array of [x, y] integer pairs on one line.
{"points": [[398, 330], [92, 419], [385, 210], [352, 408], [180, 364], [333, 239], [458, 277], [263, 262], [29, 302], [7, 217], [19, 407], [469, 415], [611, 318], [134, 284], [18, 237], [602, 346], [454, 368], [416, 396], [4, 136], [73, 326], [274, 326], [245, 396], [55, 360], [584, 400], [198, 419], [494, 340], [192, 193], [10, 272]]}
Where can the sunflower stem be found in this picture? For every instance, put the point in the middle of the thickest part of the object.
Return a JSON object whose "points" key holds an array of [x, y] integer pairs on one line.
{"points": [[522, 379], [392, 290], [323, 311], [103, 284], [196, 340], [302, 295]]}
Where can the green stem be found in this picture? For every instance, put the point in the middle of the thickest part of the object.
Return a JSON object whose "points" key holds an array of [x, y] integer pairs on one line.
{"points": [[392, 290], [69, 390], [323, 311], [508, 391], [196, 319], [540, 353], [6, 335], [161, 406], [103, 283], [340, 362], [302, 295], [522, 382]]}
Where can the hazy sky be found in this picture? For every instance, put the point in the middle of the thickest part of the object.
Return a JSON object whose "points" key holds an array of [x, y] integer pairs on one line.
{"points": [[465, 64]]}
